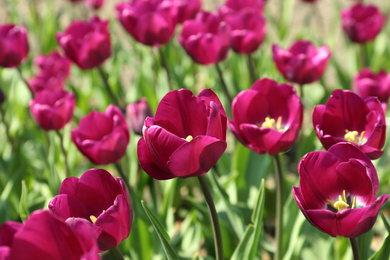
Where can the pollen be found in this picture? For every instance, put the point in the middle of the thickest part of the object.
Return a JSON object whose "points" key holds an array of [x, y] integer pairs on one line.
{"points": [[93, 218], [342, 203], [189, 138], [353, 136], [270, 123]]}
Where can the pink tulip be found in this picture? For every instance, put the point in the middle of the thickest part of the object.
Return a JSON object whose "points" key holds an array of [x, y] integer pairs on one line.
{"points": [[136, 114], [186, 137], [367, 83], [13, 45], [337, 192], [234, 6], [186, 9]]}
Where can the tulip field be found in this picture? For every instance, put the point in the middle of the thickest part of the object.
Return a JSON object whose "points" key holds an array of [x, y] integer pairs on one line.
{"points": [[194, 129]]}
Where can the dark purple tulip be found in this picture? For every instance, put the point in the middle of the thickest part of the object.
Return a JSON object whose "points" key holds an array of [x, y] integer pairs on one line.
{"points": [[233, 6], [150, 22], [102, 137], [206, 38], [95, 4], [45, 237], [86, 43], [367, 83], [44, 81], [136, 114], [302, 63], [53, 64], [337, 192], [362, 22], [185, 138], [53, 109], [13, 45], [186, 9], [247, 30], [267, 117], [347, 117], [99, 198]]}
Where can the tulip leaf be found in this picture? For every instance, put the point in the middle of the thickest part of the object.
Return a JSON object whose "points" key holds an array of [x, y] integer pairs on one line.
{"points": [[385, 222], [161, 232], [384, 252], [249, 243], [23, 208]]}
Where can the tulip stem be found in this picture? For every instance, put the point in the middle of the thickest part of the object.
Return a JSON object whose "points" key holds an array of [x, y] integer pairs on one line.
{"points": [[252, 68], [355, 248], [214, 218], [24, 80], [165, 66], [124, 178], [107, 86], [117, 253], [7, 132], [224, 87], [67, 172], [279, 207], [300, 91]]}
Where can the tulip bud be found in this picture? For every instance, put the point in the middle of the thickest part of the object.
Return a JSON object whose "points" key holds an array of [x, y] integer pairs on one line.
{"points": [[13, 45], [136, 114]]}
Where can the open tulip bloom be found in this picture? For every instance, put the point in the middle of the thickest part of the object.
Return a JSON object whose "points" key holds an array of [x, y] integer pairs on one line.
{"points": [[337, 192], [347, 117], [186, 137], [267, 117], [99, 198]]}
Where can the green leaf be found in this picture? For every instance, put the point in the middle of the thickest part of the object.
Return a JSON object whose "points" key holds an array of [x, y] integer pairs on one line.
{"points": [[162, 234], [384, 252], [23, 207]]}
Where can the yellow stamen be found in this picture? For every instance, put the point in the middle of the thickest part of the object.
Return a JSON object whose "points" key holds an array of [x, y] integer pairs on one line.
{"points": [[361, 139], [353, 203], [269, 122], [189, 138], [351, 136], [344, 197], [331, 203], [341, 204], [93, 218], [279, 123]]}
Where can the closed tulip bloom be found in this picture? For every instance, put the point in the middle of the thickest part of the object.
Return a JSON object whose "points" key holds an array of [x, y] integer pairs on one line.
{"points": [[367, 83], [346, 117], [206, 38], [186, 137], [247, 31], [150, 22], [362, 22], [53, 109], [337, 192], [267, 117], [302, 63], [44, 81], [53, 64], [86, 43], [99, 198], [95, 4], [45, 237], [102, 137], [136, 114], [13, 45], [186, 9]]}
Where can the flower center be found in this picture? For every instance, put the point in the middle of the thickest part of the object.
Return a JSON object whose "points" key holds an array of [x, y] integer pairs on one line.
{"points": [[342, 203], [93, 218], [353, 136], [189, 138], [270, 123]]}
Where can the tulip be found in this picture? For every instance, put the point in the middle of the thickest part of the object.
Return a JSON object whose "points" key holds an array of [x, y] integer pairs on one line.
{"points": [[206, 38], [45, 237], [247, 31], [337, 192], [136, 114], [302, 63], [13, 45], [186, 9], [362, 23], [102, 137], [267, 117], [233, 6], [150, 22], [347, 117], [188, 143], [53, 64], [95, 4], [367, 84], [99, 198], [7, 232], [44, 81], [52, 109], [86, 43]]}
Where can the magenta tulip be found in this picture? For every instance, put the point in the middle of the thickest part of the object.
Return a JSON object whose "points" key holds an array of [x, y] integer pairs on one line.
{"points": [[234, 6], [367, 83], [136, 114], [247, 30], [188, 143], [99, 198], [86, 43], [45, 237], [186, 9], [7, 232], [362, 22], [347, 117], [13, 45], [94, 4], [52, 109], [206, 38], [150, 22], [302, 63], [337, 192], [267, 117], [102, 137]]}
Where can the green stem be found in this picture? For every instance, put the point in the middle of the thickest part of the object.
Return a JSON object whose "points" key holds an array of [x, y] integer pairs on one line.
{"points": [[279, 207], [124, 178], [214, 218], [223, 83], [301, 91], [252, 68], [107, 86], [355, 248], [67, 172], [363, 55], [24, 80], [7, 132], [166, 68], [117, 253]]}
